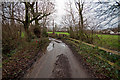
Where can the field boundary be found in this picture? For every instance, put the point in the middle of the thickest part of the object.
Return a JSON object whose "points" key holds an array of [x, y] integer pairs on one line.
{"points": [[107, 50]]}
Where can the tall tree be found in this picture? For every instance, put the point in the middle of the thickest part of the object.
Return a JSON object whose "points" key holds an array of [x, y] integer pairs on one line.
{"points": [[79, 6], [27, 20], [108, 13]]}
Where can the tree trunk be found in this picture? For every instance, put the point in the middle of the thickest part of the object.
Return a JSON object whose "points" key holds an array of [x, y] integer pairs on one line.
{"points": [[28, 35], [27, 22], [92, 37], [81, 26]]}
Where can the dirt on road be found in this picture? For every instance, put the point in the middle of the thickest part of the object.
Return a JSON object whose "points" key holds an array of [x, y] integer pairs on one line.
{"points": [[61, 67], [57, 62]]}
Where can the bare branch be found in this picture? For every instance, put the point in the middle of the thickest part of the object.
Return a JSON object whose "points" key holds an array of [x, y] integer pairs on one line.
{"points": [[44, 16], [39, 18], [14, 19]]}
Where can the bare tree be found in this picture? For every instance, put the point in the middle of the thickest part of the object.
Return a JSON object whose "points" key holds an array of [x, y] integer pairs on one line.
{"points": [[47, 6], [67, 22], [108, 12], [70, 10], [79, 6], [27, 20]]}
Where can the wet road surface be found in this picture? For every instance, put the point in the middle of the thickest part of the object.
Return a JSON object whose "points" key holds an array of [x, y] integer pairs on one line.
{"points": [[43, 68]]}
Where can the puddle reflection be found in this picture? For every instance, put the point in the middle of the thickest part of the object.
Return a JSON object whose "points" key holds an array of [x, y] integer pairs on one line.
{"points": [[50, 46]]}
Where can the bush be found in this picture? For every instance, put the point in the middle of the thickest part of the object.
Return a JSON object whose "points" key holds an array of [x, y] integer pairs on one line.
{"points": [[37, 32], [10, 38], [44, 32]]}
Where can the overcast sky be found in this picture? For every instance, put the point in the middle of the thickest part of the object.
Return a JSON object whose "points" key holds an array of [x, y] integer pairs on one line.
{"points": [[60, 7]]}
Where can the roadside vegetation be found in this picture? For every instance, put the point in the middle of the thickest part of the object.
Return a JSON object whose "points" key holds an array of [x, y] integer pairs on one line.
{"points": [[20, 59], [19, 54], [22, 41]]}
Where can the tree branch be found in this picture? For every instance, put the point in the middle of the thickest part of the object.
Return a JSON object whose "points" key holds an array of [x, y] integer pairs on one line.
{"points": [[14, 19], [39, 18], [43, 16], [118, 3], [35, 17]]}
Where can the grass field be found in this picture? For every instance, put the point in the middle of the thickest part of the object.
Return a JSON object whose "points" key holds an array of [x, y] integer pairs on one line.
{"points": [[106, 41], [60, 33]]}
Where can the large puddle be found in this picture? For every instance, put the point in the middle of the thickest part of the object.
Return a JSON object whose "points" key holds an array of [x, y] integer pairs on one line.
{"points": [[50, 47], [53, 44]]}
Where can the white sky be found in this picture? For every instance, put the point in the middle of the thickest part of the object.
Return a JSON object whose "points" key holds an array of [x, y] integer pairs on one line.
{"points": [[60, 7]]}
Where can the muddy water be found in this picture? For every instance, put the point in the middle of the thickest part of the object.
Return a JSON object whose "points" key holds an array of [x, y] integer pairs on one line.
{"points": [[44, 66]]}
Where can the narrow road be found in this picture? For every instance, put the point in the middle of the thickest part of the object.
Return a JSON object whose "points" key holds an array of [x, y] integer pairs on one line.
{"points": [[45, 66]]}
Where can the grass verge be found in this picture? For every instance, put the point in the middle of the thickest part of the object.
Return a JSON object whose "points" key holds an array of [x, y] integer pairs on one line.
{"points": [[96, 60], [16, 65]]}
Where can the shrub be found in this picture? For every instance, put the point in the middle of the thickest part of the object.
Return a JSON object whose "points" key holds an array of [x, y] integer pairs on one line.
{"points": [[37, 32]]}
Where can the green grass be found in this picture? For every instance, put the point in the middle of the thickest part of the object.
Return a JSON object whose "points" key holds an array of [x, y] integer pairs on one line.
{"points": [[100, 66], [108, 41], [22, 35], [59, 33]]}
